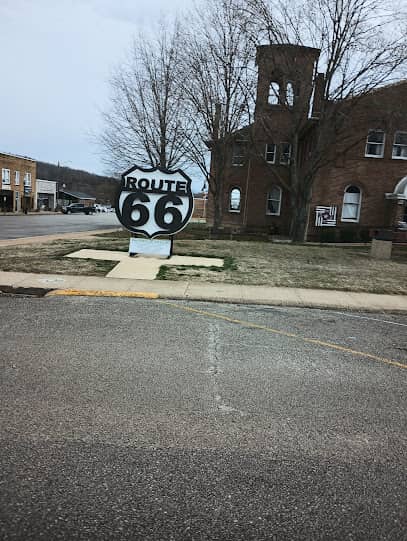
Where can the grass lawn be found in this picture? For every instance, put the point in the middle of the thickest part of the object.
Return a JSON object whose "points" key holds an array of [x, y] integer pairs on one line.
{"points": [[323, 267], [48, 257], [347, 268]]}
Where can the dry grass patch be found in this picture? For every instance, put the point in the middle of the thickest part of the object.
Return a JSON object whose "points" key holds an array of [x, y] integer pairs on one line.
{"points": [[347, 268], [285, 265], [48, 257]]}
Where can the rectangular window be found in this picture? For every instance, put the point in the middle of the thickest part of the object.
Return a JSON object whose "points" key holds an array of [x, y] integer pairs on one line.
{"points": [[400, 146], [285, 153], [5, 176], [274, 201], [271, 153], [17, 178], [375, 144], [27, 179], [239, 154]]}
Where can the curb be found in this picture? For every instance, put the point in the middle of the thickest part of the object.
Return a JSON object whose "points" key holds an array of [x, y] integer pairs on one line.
{"points": [[101, 293], [29, 291], [285, 304], [71, 292]]}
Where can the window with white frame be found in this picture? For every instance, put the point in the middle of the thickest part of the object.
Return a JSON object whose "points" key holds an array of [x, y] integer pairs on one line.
{"points": [[271, 153], [274, 201], [274, 93], [5, 176], [17, 178], [234, 200], [400, 146], [239, 154], [289, 94], [285, 153], [352, 199], [375, 144], [27, 179]]}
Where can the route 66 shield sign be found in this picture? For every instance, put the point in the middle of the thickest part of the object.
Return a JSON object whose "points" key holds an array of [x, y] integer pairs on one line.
{"points": [[154, 201]]}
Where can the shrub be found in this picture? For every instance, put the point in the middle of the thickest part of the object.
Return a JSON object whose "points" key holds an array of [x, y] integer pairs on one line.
{"points": [[347, 235], [327, 235]]}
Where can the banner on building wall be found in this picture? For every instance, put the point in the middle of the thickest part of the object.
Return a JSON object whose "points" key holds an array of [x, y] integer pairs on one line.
{"points": [[325, 216]]}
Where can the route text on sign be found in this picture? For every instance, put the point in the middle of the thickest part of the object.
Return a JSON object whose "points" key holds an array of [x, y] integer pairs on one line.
{"points": [[155, 185]]}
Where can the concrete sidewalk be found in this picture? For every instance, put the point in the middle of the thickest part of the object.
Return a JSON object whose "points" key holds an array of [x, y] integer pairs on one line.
{"points": [[57, 236], [165, 289]]}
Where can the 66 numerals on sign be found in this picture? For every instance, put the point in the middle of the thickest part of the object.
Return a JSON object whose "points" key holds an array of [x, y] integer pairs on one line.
{"points": [[168, 218]]}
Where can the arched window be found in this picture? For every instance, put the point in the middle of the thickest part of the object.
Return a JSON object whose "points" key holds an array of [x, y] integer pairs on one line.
{"points": [[289, 94], [274, 93], [352, 199], [274, 201], [234, 200]]}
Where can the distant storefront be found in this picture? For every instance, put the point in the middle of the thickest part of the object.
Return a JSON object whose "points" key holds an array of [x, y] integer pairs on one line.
{"points": [[66, 197], [17, 183], [46, 194]]}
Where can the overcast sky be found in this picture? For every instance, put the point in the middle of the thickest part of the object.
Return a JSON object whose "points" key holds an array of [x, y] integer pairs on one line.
{"points": [[56, 58]]}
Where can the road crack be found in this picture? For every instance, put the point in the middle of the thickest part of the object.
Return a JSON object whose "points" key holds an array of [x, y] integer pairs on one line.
{"points": [[215, 370]]}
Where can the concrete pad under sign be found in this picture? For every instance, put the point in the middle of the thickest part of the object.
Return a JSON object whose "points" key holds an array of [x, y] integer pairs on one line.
{"points": [[104, 255], [142, 268], [139, 268], [189, 261]]}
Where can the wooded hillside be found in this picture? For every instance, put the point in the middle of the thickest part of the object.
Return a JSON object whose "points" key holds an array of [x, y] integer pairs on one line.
{"points": [[103, 188]]}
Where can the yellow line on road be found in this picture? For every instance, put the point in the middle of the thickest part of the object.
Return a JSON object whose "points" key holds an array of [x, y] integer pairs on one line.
{"points": [[101, 293], [321, 343]]}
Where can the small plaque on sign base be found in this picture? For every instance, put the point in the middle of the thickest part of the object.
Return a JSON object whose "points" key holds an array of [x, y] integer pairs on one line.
{"points": [[150, 247]]}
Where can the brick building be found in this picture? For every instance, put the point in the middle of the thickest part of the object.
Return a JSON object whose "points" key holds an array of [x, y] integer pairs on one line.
{"points": [[363, 185], [18, 178]]}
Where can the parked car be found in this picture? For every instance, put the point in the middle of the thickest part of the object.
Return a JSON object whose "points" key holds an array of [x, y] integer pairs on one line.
{"points": [[78, 207], [103, 208]]}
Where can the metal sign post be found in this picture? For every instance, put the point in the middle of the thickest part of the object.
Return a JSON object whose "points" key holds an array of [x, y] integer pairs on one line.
{"points": [[154, 202]]}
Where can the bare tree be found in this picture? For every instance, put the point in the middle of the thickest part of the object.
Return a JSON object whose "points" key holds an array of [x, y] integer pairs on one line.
{"points": [[362, 47], [147, 122], [218, 63]]}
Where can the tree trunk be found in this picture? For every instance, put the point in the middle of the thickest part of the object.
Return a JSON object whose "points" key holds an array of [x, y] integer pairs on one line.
{"points": [[217, 191], [300, 197], [163, 154], [299, 221]]}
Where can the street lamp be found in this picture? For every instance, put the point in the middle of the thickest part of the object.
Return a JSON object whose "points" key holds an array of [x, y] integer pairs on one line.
{"points": [[60, 200], [63, 185]]}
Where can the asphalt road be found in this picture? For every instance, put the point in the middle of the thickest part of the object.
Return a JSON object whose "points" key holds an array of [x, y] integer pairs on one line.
{"points": [[31, 225], [135, 419]]}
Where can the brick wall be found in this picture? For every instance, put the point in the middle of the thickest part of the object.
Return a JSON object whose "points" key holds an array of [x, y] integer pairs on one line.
{"points": [[273, 124], [384, 109], [14, 197], [373, 176]]}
